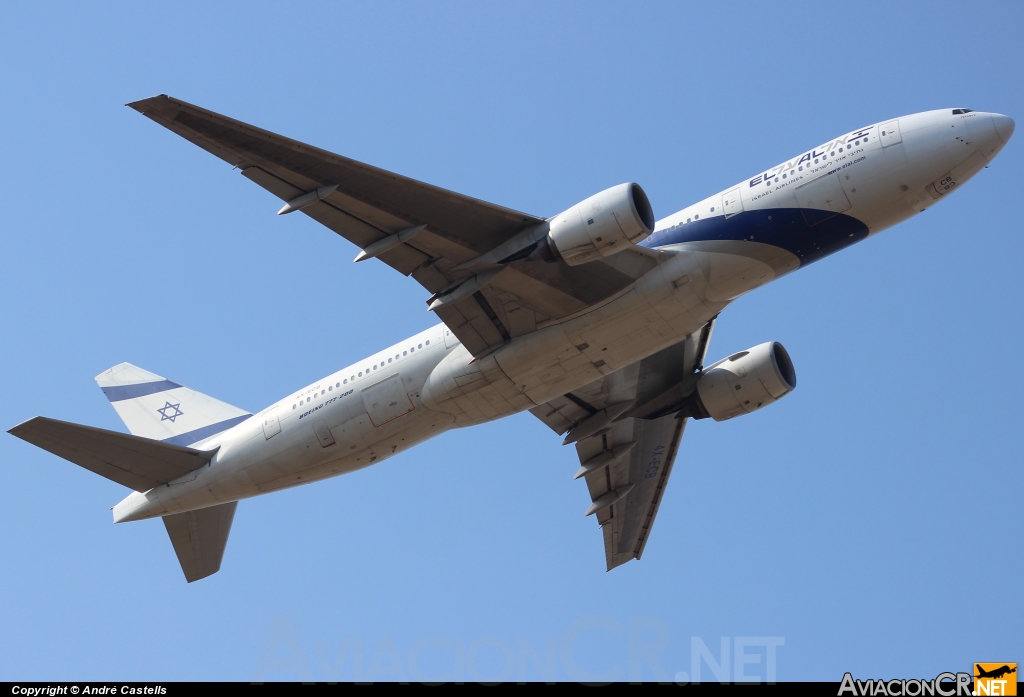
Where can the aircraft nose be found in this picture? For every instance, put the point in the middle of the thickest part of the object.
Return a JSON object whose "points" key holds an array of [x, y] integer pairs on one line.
{"points": [[1004, 126]]}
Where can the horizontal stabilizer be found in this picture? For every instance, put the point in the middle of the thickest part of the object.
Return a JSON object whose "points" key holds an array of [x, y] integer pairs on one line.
{"points": [[138, 463], [199, 538]]}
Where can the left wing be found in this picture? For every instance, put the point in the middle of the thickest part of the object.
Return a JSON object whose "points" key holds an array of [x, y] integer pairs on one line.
{"points": [[627, 436], [473, 257]]}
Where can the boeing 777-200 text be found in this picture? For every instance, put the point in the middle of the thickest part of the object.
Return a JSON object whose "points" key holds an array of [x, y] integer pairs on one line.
{"points": [[596, 320]]}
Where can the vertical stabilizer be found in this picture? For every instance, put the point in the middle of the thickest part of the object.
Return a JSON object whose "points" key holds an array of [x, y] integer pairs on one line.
{"points": [[155, 407]]}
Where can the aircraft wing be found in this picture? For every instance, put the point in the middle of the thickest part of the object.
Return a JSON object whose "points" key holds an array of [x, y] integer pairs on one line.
{"points": [[626, 466], [435, 236]]}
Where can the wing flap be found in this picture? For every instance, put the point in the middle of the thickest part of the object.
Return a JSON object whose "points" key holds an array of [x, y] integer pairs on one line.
{"points": [[137, 463], [537, 295], [474, 321], [199, 538], [647, 467]]}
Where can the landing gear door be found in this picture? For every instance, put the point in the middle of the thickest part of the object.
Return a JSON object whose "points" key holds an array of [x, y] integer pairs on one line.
{"points": [[732, 203], [271, 424], [889, 133]]}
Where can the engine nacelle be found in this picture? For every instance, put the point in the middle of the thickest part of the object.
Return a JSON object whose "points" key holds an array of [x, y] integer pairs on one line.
{"points": [[742, 383], [602, 225]]}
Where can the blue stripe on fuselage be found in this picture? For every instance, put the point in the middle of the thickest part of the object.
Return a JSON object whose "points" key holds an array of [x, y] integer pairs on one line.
{"points": [[807, 233]]}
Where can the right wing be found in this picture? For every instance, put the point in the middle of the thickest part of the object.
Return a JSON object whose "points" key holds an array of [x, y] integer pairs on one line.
{"points": [[627, 462], [471, 255]]}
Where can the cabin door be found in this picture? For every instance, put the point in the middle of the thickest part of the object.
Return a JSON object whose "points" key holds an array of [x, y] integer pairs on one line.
{"points": [[271, 424], [889, 133], [732, 203]]}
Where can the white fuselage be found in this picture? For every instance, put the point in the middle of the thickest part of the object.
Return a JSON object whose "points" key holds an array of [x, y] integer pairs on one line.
{"points": [[717, 249]]}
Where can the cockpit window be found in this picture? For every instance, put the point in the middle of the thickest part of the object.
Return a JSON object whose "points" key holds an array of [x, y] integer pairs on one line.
{"points": [[962, 111]]}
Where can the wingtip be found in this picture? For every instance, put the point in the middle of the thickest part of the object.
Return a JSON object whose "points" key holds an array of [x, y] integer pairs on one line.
{"points": [[16, 429], [141, 104]]}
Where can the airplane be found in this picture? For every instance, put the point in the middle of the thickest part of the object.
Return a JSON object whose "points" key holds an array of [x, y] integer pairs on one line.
{"points": [[596, 320], [995, 673]]}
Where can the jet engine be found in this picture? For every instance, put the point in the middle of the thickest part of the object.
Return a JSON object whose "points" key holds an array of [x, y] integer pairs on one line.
{"points": [[602, 225], [742, 383]]}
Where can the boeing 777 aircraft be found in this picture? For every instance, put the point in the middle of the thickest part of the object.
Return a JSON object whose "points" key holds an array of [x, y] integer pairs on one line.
{"points": [[596, 320]]}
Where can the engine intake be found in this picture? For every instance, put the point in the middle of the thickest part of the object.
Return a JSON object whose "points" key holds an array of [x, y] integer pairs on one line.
{"points": [[742, 383], [602, 225]]}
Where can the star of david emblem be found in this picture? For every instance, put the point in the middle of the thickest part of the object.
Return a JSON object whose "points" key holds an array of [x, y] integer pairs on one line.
{"points": [[169, 412]]}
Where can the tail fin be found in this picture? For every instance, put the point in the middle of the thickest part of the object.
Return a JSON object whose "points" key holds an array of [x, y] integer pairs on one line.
{"points": [[154, 407]]}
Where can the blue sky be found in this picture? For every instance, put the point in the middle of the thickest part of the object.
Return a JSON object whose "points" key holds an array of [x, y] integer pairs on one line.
{"points": [[866, 521]]}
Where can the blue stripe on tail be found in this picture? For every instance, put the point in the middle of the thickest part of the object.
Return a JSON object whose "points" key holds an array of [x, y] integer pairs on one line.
{"points": [[119, 393], [205, 432]]}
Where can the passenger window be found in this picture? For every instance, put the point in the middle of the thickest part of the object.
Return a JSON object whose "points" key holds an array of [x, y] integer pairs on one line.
{"points": [[330, 387], [389, 360], [687, 220], [420, 346], [405, 353], [345, 381], [293, 406], [712, 209], [428, 340], [696, 216], [360, 373]]}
